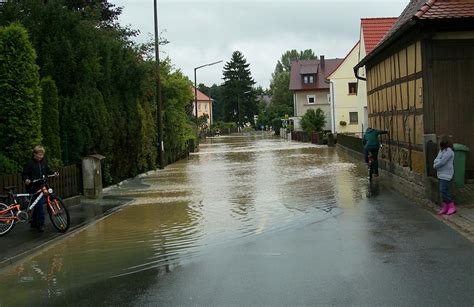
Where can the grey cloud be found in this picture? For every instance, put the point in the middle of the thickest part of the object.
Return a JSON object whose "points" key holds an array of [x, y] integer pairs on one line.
{"points": [[205, 31]]}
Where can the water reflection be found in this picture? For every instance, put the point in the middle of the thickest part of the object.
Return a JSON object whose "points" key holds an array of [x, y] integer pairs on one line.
{"points": [[235, 187]]}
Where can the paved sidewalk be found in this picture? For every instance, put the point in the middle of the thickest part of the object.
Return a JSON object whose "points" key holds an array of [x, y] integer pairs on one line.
{"points": [[462, 221], [23, 241]]}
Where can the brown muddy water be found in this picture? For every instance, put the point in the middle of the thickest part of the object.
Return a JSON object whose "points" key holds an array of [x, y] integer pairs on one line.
{"points": [[233, 189]]}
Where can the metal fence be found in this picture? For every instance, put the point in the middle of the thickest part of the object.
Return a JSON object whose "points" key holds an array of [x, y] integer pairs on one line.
{"points": [[67, 184]]}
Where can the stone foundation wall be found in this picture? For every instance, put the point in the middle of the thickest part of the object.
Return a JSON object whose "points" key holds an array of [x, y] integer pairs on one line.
{"points": [[411, 185]]}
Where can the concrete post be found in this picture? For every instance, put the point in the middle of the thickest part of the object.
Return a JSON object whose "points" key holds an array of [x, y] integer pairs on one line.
{"points": [[92, 176]]}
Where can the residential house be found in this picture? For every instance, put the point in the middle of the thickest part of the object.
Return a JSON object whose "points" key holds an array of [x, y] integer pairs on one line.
{"points": [[310, 88], [204, 103], [348, 94], [348, 110], [420, 85]]}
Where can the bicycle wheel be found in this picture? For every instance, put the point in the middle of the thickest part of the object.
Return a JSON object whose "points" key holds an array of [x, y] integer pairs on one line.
{"points": [[58, 214], [6, 220], [371, 171]]}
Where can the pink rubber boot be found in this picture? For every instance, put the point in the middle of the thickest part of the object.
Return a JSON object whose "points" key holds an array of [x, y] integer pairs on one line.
{"points": [[444, 209], [451, 208]]}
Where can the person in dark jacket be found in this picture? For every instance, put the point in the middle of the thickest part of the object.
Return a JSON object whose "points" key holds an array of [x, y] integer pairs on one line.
{"points": [[372, 145], [35, 169]]}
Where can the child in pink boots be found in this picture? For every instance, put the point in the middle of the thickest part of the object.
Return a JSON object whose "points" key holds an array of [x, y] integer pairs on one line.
{"points": [[444, 165]]}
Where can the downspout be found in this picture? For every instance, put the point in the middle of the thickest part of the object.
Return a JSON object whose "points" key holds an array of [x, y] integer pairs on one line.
{"points": [[333, 108], [295, 105], [356, 73]]}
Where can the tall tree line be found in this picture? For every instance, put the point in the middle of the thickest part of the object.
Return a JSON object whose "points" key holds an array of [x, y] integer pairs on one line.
{"points": [[104, 86]]}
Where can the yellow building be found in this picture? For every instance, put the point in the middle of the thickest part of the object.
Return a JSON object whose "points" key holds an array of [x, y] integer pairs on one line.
{"points": [[348, 109]]}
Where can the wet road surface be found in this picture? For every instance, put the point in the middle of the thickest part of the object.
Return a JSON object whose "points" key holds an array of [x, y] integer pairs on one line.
{"points": [[253, 221]]}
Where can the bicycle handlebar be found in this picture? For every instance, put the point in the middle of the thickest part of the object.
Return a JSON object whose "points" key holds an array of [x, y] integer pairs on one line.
{"points": [[44, 177]]}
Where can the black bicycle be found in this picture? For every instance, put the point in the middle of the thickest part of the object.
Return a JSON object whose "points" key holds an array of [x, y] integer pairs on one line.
{"points": [[18, 213]]}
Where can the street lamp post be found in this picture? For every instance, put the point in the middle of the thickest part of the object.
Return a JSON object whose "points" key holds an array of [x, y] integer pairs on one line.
{"points": [[195, 86], [159, 106]]}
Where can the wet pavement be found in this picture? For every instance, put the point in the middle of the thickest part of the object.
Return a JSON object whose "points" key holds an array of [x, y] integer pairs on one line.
{"points": [[252, 221]]}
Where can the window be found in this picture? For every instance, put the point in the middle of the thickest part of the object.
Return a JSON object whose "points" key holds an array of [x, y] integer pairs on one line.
{"points": [[205, 107], [353, 88], [308, 79], [354, 117], [311, 99]]}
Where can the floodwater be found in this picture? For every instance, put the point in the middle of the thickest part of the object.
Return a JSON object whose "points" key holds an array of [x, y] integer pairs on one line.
{"points": [[234, 190]]}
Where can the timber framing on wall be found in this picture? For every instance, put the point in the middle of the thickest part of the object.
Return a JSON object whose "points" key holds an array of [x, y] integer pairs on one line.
{"points": [[395, 99]]}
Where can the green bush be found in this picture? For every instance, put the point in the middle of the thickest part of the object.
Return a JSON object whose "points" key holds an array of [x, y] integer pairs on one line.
{"points": [[313, 121], [276, 124]]}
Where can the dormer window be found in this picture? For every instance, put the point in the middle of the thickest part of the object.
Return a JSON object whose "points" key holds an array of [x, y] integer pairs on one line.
{"points": [[308, 79]]}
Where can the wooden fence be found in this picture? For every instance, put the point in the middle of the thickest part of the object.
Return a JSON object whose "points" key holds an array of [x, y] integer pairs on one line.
{"points": [[67, 184]]}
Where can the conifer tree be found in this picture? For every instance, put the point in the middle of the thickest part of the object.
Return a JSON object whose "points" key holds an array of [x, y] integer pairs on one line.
{"points": [[240, 104], [20, 98], [50, 119]]}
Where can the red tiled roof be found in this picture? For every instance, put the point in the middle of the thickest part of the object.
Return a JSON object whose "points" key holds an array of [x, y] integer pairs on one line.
{"points": [[297, 67], [432, 9], [374, 30], [418, 10], [200, 95]]}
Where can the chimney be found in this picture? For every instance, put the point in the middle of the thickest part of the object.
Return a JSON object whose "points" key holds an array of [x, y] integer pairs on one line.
{"points": [[321, 61]]}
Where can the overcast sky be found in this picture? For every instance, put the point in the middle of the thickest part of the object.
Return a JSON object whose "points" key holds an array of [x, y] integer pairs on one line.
{"points": [[204, 31]]}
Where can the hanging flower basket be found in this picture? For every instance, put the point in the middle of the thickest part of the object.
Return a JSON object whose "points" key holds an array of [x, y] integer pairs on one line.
{"points": [[342, 123]]}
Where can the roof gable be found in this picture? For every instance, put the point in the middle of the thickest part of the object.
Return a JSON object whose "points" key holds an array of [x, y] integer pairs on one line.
{"points": [[346, 59]]}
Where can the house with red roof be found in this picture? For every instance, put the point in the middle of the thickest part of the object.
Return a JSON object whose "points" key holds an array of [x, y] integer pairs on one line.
{"points": [[204, 104], [310, 88], [420, 79], [349, 95]]}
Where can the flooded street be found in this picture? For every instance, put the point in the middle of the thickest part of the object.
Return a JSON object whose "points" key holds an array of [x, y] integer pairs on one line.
{"points": [[251, 220]]}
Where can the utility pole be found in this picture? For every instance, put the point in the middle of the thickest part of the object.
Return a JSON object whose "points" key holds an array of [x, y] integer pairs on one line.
{"points": [[159, 106]]}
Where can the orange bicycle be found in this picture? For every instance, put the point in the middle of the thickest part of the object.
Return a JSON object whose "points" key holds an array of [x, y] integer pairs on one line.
{"points": [[12, 214]]}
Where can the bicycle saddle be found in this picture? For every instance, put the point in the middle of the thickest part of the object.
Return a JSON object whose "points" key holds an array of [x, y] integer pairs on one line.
{"points": [[10, 188]]}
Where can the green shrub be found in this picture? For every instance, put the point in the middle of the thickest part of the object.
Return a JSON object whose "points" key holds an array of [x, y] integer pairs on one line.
{"points": [[276, 124], [313, 121]]}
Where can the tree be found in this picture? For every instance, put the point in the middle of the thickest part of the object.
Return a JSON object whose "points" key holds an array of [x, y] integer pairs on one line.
{"points": [[203, 122], [218, 111], [313, 121], [106, 85], [240, 105], [50, 119], [280, 83], [20, 99]]}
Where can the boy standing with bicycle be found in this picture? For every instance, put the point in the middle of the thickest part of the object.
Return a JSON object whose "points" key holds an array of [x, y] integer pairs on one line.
{"points": [[35, 169]]}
